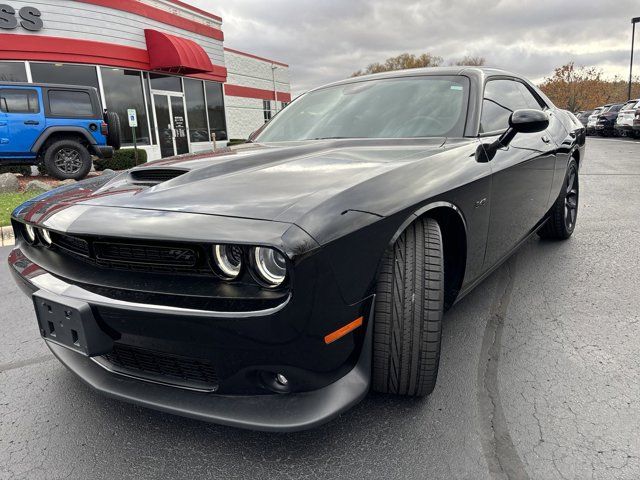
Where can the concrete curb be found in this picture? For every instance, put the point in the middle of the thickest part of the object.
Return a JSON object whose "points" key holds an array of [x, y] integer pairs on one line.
{"points": [[7, 238]]}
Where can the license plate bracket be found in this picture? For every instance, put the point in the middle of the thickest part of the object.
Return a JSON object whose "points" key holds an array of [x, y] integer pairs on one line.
{"points": [[70, 323]]}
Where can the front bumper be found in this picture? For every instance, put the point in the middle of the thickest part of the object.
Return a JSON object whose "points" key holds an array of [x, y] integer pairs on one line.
{"points": [[276, 412], [328, 379]]}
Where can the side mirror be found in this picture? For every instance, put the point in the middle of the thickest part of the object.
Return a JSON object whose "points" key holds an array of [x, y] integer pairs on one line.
{"points": [[529, 121], [520, 121]]}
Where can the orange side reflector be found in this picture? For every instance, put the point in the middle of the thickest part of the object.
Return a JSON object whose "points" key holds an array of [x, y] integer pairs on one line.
{"points": [[341, 332]]}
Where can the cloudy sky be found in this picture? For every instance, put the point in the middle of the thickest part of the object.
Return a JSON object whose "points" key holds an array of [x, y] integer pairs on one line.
{"points": [[325, 40]]}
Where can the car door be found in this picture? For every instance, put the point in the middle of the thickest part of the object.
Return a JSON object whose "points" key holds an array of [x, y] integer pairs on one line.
{"points": [[21, 111], [522, 173]]}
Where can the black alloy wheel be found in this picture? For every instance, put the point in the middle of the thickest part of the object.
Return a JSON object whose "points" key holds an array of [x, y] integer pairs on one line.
{"points": [[67, 158]]}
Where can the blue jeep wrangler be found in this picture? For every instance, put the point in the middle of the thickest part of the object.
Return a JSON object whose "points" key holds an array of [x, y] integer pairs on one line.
{"points": [[59, 126]]}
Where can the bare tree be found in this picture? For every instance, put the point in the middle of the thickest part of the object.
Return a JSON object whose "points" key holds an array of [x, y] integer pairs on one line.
{"points": [[401, 62], [469, 61]]}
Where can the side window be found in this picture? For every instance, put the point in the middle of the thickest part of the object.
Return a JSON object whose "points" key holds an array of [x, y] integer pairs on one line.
{"points": [[529, 98], [501, 98], [19, 101], [69, 103]]}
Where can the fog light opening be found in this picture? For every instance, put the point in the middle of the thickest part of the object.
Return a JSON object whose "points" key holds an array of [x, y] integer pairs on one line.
{"points": [[281, 379]]}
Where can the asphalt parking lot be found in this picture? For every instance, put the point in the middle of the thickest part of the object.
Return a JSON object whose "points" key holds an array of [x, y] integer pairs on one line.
{"points": [[540, 379]]}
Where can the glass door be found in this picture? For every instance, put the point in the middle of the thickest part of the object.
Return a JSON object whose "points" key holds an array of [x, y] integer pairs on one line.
{"points": [[165, 130], [179, 125], [172, 125]]}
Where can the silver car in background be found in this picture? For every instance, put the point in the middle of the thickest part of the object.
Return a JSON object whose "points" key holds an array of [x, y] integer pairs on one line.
{"points": [[593, 120], [628, 113]]}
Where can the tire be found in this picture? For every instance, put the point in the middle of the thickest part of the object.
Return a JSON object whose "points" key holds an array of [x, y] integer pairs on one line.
{"points": [[67, 159], [114, 137], [408, 313], [563, 215]]}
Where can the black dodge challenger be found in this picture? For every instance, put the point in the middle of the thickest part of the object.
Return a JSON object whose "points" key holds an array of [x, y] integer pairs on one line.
{"points": [[270, 285]]}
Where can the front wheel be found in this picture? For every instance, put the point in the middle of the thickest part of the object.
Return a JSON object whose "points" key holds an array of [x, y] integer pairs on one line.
{"points": [[67, 159], [564, 213], [408, 312]]}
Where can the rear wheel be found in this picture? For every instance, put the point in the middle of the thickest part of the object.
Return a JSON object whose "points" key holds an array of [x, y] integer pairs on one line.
{"points": [[564, 213], [408, 312], [67, 159]]}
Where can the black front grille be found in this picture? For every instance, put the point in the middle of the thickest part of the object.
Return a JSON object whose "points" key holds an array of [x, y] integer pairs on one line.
{"points": [[146, 254], [74, 245], [155, 175], [140, 257], [163, 367]]}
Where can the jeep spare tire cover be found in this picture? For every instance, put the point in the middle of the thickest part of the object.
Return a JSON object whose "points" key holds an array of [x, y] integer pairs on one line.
{"points": [[114, 136]]}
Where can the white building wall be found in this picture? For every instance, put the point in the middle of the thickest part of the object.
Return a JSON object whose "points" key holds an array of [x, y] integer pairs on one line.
{"points": [[84, 21], [245, 115]]}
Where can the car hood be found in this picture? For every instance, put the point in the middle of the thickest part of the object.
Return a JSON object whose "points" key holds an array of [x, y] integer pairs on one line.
{"points": [[266, 182]]}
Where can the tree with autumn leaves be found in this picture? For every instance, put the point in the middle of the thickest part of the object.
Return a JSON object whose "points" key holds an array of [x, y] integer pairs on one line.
{"points": [[585, 88]]}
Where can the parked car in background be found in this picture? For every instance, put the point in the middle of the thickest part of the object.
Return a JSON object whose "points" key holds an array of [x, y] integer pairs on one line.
{"points": [[607, 120], [60, 126], [583, 116], [270, 285], [593, 119], [626, 116]]}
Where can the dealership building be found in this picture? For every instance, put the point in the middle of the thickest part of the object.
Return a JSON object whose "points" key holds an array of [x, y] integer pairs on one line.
{"points": [[163, 58]]}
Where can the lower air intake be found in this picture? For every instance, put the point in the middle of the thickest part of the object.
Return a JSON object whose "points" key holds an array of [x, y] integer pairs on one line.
{"points": [[158, 367]]}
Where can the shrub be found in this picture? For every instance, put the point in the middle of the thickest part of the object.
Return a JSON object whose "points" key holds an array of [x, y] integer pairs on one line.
{"points": [[236, 141], [123, 159], [24, 170]]}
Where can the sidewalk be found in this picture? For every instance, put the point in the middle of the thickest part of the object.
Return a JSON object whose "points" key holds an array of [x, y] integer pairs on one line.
{"points": [[6, 237]]}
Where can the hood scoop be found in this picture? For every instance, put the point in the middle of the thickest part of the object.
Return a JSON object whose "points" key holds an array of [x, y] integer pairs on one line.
{"points": [[154, 176]]}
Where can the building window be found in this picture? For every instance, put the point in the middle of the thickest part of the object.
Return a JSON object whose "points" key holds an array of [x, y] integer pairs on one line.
{"points": [[215, 107], [70, 103], [283, 105], [266, 108], [64, 74], [165, 82], [122, 91], [19, 101], [196, 110], [13, 72]]}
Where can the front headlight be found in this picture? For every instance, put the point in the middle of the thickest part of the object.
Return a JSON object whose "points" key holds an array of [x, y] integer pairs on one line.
{"points": [[228, 260], [270, 265], [46, 236], [29, 233]]}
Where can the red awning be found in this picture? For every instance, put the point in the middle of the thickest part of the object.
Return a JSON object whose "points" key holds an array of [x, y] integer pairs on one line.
{"points": [[175, 54]]}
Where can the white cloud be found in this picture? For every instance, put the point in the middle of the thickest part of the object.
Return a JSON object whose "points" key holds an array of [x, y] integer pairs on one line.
{"points": [[326, 40]]}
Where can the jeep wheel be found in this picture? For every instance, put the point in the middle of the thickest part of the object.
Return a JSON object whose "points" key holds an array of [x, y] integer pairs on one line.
{"points": [[408, 313], [66, 159], [114, 138]]}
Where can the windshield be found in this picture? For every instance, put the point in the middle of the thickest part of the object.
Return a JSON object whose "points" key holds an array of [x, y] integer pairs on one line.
{"points": [[422, 106]]}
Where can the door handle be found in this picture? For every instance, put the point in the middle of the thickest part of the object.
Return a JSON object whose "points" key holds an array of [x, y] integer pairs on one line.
{"points": [[32, 122], [546, 139]]}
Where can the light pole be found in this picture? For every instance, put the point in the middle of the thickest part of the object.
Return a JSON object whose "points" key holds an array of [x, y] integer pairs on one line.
{"points": [[633, 35]]}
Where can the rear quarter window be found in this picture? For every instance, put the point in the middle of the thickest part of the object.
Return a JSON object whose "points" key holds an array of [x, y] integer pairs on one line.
{"points": [[70, 103]]}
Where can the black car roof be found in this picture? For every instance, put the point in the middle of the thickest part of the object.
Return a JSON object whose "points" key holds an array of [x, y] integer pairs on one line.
{"points": [[479, 72]]}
